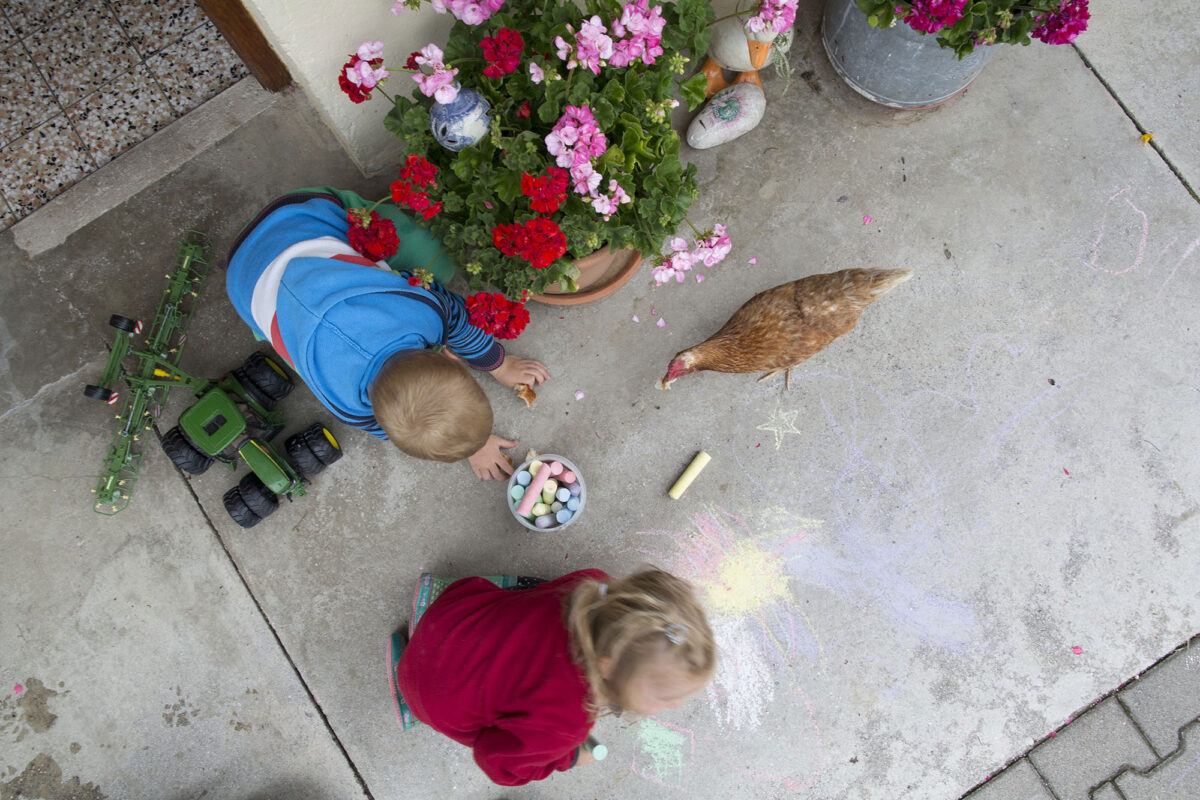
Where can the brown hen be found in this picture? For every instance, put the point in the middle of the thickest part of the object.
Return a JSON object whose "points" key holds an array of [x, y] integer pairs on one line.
{"points": [[777, 329]]}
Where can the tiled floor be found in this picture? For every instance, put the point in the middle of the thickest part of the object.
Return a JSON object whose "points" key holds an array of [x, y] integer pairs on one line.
{"points": [[82, 81]]}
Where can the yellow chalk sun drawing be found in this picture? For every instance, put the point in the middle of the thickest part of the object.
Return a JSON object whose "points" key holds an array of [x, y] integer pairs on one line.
{"points": [[746, 581]]}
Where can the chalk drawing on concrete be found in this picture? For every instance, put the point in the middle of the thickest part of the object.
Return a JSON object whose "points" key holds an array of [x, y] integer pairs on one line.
{"points": [[781, 423], [1134, 219], [663, 751], [744, 581]]}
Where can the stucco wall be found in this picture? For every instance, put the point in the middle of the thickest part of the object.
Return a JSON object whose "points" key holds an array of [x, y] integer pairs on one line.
{"points": [[315, 37]]}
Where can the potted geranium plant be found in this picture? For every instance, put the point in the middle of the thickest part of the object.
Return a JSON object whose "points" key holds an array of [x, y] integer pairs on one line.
{"points": [[577, 152], [864, 38], [961, 25]]}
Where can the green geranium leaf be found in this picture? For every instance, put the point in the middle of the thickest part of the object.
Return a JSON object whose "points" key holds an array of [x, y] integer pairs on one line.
{"points": [[693, 90]]}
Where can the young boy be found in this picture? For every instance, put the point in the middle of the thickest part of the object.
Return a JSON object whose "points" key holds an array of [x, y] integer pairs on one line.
{"points": [[363, 338]]}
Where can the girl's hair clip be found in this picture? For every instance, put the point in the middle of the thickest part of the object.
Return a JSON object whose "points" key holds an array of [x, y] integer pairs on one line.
{"points": [[603, 589], [676, 633]]}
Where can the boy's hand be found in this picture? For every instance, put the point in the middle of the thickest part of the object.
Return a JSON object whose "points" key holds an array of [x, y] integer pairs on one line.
{"points": [[585, 757], [488, 462], [516, 370]]}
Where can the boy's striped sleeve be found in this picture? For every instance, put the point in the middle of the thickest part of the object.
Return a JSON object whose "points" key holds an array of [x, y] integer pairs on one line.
{"points": [[477, 348]]}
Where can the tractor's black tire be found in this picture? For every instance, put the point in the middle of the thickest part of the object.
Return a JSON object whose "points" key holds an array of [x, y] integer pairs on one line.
{"points": [[183, 453], [236, 506], [98, 393], [256, 394], [123, 323], [261, 500], [268, 376], [313, 450]]}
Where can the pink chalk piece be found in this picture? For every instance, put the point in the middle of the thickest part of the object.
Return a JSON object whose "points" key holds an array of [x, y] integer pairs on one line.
{"points": [[578, 395], [753, 260], [1053, 734], [635, 318], [662, 323], [534, 492], [1077, 650], [566, 478], [556, 468], [699, 278], [867, 219], [1065, 470], [18, 689]]}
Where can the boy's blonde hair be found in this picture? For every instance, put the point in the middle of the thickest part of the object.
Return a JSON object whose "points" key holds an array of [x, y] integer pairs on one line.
{"points": [[430, 406], [632, 620]]}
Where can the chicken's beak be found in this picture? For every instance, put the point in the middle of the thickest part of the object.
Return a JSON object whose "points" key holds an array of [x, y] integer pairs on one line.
{"points": [[663, 383]]}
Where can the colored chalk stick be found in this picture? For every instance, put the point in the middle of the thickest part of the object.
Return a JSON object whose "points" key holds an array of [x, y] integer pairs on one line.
{"points": [[563, 515], [556, 468], [523, 477], [544, 521], [593, 746], [533, 493], [566, 477], [540, 509], [516, 492], [693, 469], [563, 494], [574, 489], [573, 504]]}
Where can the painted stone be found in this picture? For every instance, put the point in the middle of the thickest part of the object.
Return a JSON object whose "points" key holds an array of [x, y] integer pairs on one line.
{"points": [[462, 122], [731, 112]]}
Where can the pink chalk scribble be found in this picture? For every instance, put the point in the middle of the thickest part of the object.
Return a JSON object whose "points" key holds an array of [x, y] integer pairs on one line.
{"points": [[1137, 262]]}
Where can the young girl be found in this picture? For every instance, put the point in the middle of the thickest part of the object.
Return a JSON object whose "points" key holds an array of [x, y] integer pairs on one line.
{"points": [[520, 676]]}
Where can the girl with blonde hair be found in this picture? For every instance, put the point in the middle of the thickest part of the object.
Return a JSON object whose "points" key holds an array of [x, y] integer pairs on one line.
{"points": [[521, 676]]}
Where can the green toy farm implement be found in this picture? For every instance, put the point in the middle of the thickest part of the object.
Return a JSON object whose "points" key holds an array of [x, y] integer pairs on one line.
{"points": [[233, 416]]}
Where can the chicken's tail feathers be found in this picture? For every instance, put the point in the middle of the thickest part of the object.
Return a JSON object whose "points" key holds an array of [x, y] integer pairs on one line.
{"points": [[884, 280]]}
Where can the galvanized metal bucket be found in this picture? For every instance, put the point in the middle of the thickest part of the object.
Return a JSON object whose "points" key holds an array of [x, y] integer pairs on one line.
{"points": [[898, 66]]}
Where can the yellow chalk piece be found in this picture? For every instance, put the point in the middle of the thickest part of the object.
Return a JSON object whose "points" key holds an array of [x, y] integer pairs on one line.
{"points": [[685, 480], [1146, 137]]}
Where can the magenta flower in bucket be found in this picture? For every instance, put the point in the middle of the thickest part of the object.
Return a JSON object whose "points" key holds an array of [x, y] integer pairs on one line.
{"points": [[961, 25]]}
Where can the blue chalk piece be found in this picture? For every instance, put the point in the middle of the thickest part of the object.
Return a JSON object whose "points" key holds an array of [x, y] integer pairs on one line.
{"points": [[563, 494], [563, 515], [516, 492], [523, 477], [573, 504], [544, 521], [575, 489]]}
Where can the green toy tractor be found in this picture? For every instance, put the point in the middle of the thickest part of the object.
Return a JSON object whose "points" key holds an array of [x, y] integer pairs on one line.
{"points": [[233, 418]]}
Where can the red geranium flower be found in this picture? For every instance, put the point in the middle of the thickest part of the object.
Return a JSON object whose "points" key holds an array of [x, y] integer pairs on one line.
{"points": [[546, 242], [523, 111], [497, 315], [503, 52], [356, 92], [510, 239], [418, 170], [373, 237], [546, 193]]}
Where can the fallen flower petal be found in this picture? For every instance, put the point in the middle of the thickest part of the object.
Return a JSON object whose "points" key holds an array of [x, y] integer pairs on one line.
{"points": [[699, 278], [578, 395], [1146, 137], [867, 219], [635, 318], [1077, 650], [753, 260], [662, 323]]}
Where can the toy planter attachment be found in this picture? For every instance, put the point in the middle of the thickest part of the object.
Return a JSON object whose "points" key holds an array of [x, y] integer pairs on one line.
{"points": [[233, 416]]}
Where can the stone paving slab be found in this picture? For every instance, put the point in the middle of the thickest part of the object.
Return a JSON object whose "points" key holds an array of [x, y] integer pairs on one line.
{"points": [[1165, 699], [1097, 745], [1019, 781], [1177, 778], [1147, 53]]}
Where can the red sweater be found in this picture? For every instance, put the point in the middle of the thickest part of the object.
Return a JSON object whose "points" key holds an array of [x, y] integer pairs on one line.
{"points": [[491, 668]]}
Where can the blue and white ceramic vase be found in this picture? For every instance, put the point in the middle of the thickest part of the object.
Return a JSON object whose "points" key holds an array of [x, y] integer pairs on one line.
{"points": [[462, 122]]}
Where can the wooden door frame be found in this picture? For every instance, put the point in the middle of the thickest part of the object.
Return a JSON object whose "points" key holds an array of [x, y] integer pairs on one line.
{"points": [[243, 34]]}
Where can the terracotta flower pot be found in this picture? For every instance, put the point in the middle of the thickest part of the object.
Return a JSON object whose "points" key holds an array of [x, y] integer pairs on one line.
{"points": [[600, 274]]}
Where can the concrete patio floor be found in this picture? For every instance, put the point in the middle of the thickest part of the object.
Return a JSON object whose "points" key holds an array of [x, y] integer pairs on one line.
{"points": [[967, 521]]}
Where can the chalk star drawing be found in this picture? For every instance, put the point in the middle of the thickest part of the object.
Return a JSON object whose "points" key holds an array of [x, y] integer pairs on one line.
{"points": [[780, 423]]}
